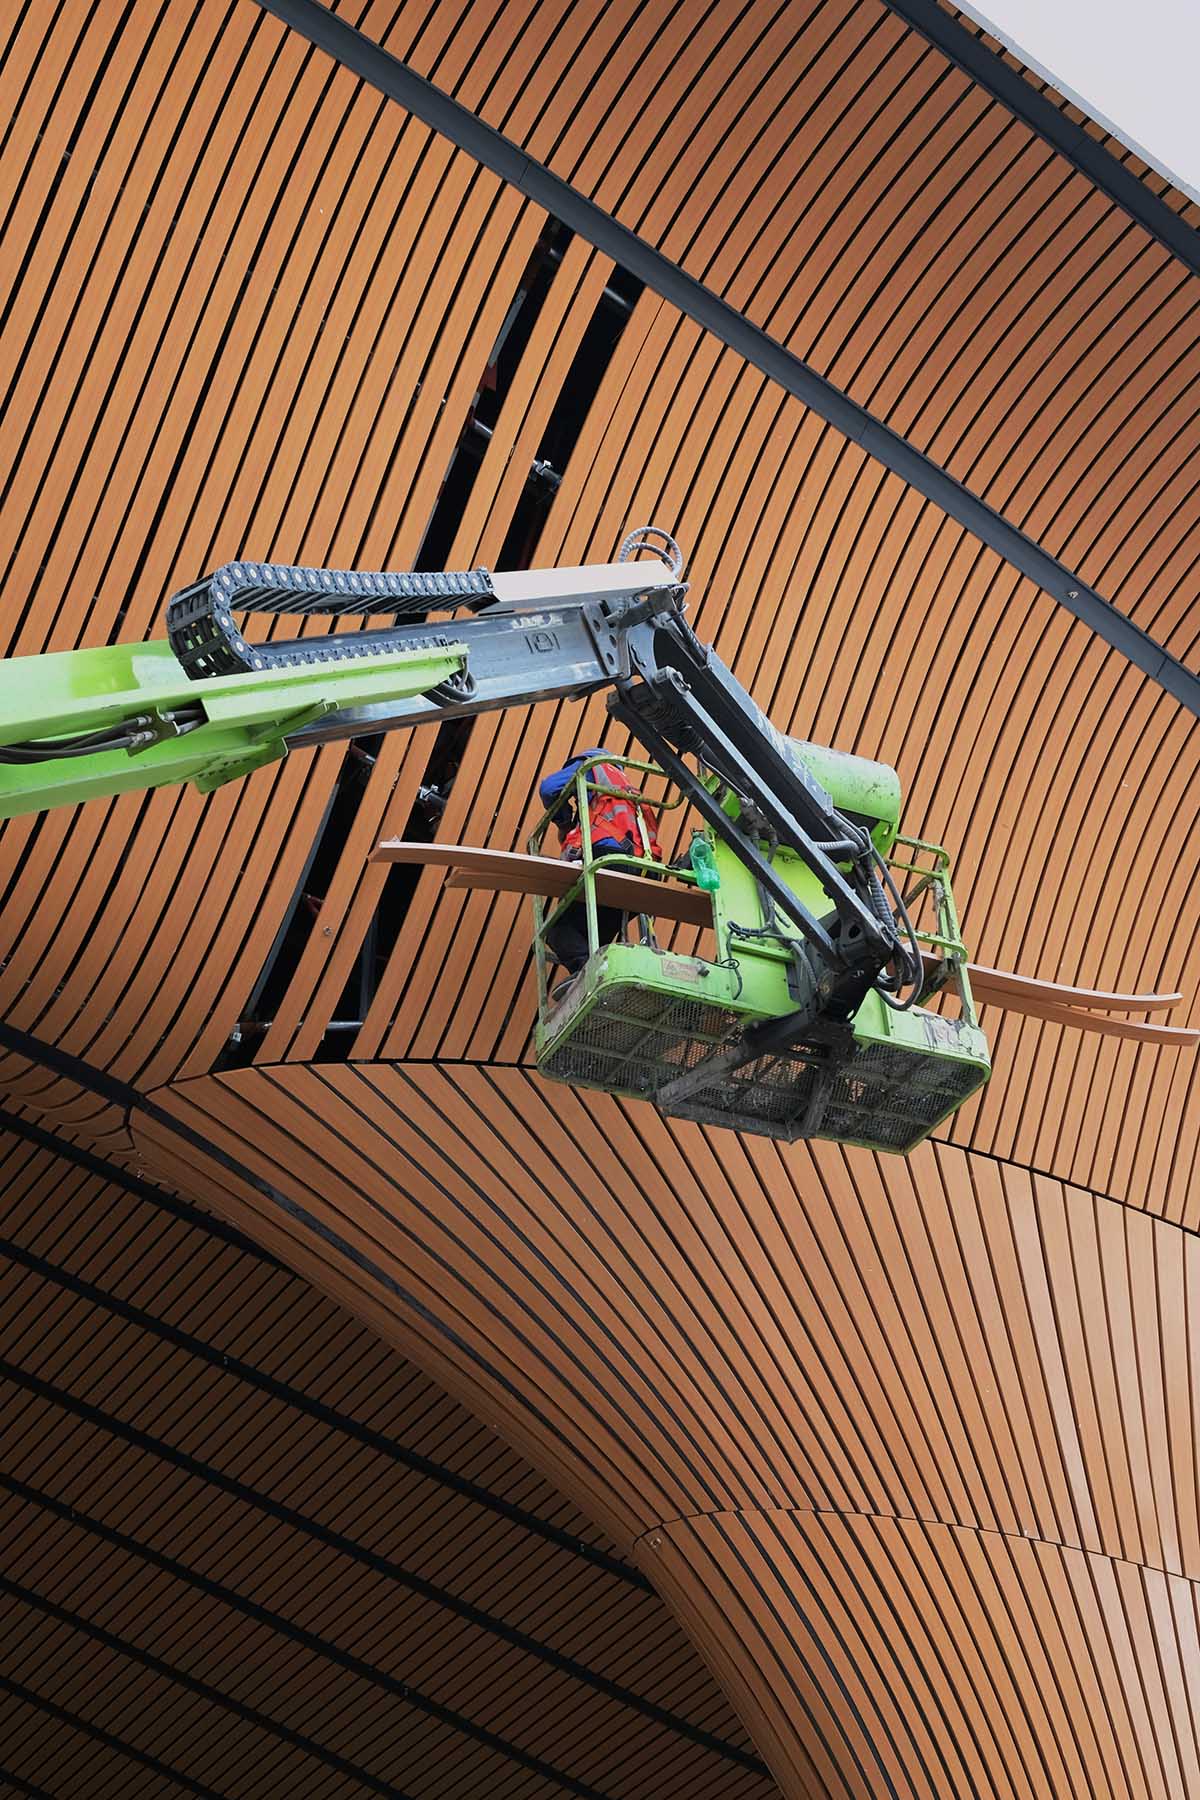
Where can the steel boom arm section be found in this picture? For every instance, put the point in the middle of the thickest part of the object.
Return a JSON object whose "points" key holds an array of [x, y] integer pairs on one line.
{"points": [[208, 706]]}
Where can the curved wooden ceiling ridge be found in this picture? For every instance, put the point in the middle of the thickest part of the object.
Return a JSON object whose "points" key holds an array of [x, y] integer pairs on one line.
{"points": [[806, 1385], [202, 1457], [909, 1448]]}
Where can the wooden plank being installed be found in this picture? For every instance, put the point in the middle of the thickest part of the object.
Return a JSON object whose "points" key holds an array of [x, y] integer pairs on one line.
{"points": [[508, 871], [1005, 983], [1179, 1037]]}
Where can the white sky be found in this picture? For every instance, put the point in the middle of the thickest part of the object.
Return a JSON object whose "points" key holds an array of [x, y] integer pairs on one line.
{"points": [[1134, 68]]}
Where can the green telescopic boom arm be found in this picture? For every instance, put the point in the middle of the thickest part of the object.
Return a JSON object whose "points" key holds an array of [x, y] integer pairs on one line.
{"points": [[208, 707], [80, 724]]}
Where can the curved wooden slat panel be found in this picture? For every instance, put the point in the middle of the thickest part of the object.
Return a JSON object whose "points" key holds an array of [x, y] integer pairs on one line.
{"points": [[33, 1091], [833, 175], [929, 1660], [684, 1331], [218, 1478], [245, 307]]}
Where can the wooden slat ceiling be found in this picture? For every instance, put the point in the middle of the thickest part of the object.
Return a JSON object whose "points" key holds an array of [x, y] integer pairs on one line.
{"points": [[231, 1514], [838, 180], [909, 1448], [921, 1432]]}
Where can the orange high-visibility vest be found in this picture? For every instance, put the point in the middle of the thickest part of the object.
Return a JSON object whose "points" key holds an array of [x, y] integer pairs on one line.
{"points": [[613, 818]]}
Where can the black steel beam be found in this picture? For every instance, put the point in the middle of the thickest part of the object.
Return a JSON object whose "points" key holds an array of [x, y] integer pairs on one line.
{"points": [[76, 1722], [1007, 85], [210, 1223], [393, 78], [19, 1785]]}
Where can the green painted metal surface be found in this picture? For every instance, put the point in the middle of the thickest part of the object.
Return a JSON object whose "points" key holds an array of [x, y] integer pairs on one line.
{"points": [[866, 791], [247, 718]]}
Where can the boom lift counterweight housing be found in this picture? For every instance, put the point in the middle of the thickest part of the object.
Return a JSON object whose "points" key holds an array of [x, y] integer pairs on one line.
{"points": [[808, 1023]]}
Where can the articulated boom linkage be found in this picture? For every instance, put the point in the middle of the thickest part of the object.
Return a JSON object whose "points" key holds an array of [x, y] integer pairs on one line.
{"points": [[682, 699]]}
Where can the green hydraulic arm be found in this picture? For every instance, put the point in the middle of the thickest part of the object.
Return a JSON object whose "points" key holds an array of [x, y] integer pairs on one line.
{"points": [[79, 724], [206, 706]]}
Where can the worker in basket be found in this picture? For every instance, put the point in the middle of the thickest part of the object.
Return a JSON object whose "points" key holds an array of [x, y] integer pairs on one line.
{"points": [[618, 827]]}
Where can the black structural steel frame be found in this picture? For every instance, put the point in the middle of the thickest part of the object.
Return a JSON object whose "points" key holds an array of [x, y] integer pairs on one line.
{"points": [[393, 78]]}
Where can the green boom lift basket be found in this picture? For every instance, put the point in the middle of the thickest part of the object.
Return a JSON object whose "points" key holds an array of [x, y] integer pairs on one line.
{"points": [[638, 1017]]}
